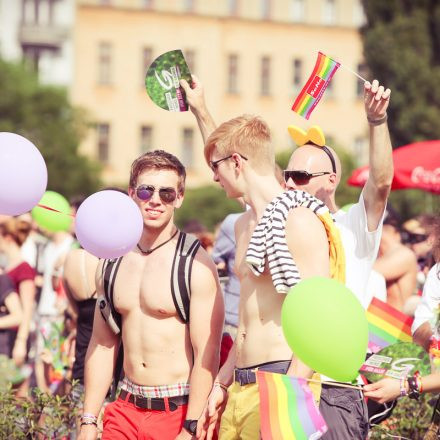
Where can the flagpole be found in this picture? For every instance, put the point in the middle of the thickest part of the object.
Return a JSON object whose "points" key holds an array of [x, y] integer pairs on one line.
{"points": [[336, 384], [354, 73]]}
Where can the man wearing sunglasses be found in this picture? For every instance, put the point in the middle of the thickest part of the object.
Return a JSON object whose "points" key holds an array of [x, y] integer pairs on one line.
{"points": [[317, 170], [169, 364], [242, 159]]}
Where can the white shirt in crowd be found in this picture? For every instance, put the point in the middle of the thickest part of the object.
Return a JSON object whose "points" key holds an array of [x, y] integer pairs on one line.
{"points": [[427, 308]]}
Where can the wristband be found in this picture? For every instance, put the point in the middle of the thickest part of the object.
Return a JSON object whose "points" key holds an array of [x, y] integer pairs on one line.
{"points": [[221, 385], [380, 121], [89, 423], [403, 391], [414, 392]]}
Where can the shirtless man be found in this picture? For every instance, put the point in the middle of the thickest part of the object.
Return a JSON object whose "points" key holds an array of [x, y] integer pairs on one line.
{"points": [[242, 159], [397, 263], [165, 360]]}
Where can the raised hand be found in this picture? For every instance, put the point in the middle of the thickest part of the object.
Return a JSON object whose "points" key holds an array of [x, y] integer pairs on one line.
{"points": [[376, 100]]}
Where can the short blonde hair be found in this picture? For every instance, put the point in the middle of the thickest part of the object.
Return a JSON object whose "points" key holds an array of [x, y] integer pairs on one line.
{"points": [[247, 135]]}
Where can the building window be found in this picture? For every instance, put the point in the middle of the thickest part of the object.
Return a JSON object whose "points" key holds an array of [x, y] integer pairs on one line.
{"points": [[104, 63], [362, 70], [147, 59], [31, 55], [188, 147], [190, 57], [188, 5], [359, 18], [147, 4], [265, 9], [233, 74], [297, 74], [233, 7], [146, 138], [265, 76], [329, 12], [103, 142], [297, 10]]}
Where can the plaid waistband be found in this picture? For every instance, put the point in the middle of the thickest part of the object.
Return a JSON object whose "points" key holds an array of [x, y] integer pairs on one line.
{"points": [[177, 389]]}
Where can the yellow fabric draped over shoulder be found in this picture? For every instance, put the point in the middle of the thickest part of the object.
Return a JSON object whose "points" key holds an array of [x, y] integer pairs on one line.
{"points": [[336, 249]]}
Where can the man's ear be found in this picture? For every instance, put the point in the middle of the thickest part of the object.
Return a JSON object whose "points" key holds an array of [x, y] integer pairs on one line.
{"points": [[131, 193], [179, 200]]}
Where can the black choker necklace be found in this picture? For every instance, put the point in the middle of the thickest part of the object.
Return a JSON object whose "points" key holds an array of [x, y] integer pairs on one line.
{"points": [[149, 251]]}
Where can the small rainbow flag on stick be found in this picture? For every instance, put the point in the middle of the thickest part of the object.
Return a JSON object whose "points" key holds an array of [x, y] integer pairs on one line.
{"points": [[315, 87], [386, 325], [287, 408]]}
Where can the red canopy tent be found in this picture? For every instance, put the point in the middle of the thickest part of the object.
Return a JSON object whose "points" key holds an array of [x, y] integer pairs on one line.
{"points": [[415, 166]]}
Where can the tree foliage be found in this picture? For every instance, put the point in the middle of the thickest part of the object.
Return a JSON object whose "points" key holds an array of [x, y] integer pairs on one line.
{"points": [[44, 115], [207, 204], [402, 49]]}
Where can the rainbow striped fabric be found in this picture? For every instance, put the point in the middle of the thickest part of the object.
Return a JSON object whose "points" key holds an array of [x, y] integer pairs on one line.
{"points": [[386, 325], [315, 87], [287, 408]]}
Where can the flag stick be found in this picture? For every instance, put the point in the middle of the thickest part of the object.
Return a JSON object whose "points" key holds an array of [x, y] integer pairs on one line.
{"points": [[353, 72], [335, 384]]}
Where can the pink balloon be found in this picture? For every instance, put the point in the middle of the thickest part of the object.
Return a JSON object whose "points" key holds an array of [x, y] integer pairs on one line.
{"points": [[23, 174], [108, 224]]}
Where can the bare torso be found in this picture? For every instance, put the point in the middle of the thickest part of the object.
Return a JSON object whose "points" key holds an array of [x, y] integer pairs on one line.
{"points": [[260, 337], [156, 342]]}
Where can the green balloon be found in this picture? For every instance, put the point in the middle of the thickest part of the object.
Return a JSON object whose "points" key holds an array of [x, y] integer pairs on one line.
{"points": [[51, 220], [326, 327]]}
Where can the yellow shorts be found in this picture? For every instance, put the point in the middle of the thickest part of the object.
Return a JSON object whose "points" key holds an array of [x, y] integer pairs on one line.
{"points": [[241, 418]]}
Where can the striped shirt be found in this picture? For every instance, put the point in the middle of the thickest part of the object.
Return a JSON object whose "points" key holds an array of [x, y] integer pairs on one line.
{"points": [[268, 241]]}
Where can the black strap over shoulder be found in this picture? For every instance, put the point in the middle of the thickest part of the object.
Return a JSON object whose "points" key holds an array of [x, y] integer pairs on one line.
{"points": [[109, 270], [186, 250]]}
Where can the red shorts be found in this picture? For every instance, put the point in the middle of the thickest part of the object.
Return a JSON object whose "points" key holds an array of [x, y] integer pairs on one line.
{"points": [[124, 421]]}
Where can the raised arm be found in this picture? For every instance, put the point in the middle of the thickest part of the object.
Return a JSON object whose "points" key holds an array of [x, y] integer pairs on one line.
{"points": [[378, 185], [206, 325], [99, 365], [195, 96]]}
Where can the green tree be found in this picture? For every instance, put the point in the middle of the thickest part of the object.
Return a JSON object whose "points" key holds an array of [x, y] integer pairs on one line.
{"points": [[401, 47], [208, 204], [44, 115]]}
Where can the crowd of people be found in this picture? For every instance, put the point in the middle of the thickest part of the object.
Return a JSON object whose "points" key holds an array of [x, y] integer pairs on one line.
{"points": [[179, 343]]}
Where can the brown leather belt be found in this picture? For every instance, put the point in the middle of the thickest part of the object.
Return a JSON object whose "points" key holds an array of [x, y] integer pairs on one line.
{"points": [[155, 403]]}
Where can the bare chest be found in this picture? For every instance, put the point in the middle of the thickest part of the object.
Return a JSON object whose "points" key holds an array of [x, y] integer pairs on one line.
{"points": [[144, 284]]}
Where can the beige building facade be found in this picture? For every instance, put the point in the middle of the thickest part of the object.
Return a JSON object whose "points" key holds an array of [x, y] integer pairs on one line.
{"points": [[253, 56]]}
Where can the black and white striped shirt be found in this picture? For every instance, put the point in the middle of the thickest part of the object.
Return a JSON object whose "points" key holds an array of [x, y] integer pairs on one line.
{"points": [[269, 242]]}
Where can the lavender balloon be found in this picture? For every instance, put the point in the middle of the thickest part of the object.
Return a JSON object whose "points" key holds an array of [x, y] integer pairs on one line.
{"points": [[108, 224], [23, 174]]}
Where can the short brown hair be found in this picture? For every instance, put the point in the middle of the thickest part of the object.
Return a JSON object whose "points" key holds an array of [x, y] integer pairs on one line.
{"points": [[247, 135], [18, 229], [158, 160]]}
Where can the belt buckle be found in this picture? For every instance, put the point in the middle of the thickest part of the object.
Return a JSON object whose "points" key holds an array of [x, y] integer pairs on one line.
{"points": [[148, 399]]}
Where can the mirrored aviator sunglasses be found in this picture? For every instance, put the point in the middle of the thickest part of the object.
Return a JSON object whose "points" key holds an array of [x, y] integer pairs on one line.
{"points": [[301, 177], [145, 192]]}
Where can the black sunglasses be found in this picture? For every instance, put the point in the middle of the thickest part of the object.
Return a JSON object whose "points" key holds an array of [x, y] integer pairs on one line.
{"points": [[302, 177], [145, 192], [214, 163]]}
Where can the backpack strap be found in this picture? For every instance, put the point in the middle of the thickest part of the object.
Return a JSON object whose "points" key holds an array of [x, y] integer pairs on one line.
{"points": [[114, 319], [186, 250], [110, 268]]}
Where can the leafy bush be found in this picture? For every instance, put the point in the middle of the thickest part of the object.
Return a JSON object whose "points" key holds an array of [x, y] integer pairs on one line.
{"points": [[48, 416]]}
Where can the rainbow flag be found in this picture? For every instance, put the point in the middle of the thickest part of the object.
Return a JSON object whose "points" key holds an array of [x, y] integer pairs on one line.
{"points": [[287, 408], [386, 325], [315, 87]]}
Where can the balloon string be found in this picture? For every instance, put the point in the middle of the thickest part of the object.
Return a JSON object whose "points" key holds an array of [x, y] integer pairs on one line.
{"points": [[54, 210]]}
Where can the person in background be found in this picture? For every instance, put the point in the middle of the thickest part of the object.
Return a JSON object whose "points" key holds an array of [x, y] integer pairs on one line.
{"points": [[11, 313], [13, 233], [397, 263], [79, 282]]}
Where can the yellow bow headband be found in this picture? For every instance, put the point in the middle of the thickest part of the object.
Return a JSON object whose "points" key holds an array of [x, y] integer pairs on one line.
{"points": [[314, 135]]}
